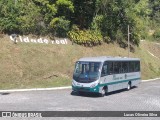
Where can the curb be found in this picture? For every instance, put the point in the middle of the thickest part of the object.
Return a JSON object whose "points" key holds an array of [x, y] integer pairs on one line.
{"points": [[55, 88], [35, 89], [150, 80]]}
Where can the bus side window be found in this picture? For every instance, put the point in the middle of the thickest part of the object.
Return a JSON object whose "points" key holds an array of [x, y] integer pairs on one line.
{"points": [[110, 68], [117, 67], [104, 70], [137, 66], [131, 66], [124, 67]]}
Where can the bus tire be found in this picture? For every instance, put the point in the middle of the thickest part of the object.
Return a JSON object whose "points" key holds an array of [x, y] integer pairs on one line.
{"points": [[129, 86], [103, 92]]}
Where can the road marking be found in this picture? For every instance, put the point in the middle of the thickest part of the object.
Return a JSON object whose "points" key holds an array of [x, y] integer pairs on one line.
{"points": [[55, 88]]}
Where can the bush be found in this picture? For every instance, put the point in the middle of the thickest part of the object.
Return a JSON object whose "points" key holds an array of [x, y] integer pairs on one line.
{"points": [[60, 26], [97, 22], [107, 39], [85, 37], [156, 34]]}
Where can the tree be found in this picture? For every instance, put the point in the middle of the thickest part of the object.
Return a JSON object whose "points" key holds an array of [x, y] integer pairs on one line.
{"points": [[118, 14], [18, 17], [84, 13], [56, 15], [8, 15]]}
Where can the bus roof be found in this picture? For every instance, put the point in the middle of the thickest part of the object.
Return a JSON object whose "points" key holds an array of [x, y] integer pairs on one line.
{"points": [[107, 58]]}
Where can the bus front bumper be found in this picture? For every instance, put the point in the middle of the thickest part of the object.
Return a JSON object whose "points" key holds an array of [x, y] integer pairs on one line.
{"points": [[86, 89]]}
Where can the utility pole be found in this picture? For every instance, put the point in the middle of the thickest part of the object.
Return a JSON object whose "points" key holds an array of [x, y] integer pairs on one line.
{"points": [[128, 41]]}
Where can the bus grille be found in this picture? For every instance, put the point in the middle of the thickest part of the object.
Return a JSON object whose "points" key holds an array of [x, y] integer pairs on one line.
{"points": [[84, 89]]}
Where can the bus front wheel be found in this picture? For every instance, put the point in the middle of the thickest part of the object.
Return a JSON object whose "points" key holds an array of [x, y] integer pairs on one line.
{"points": [[103, 92]]}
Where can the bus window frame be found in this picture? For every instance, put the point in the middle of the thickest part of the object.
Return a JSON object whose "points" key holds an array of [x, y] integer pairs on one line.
{"points": [[120, 72]]}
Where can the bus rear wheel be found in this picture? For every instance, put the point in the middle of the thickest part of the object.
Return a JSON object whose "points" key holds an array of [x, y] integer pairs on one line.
{"points": [[129, 86]]}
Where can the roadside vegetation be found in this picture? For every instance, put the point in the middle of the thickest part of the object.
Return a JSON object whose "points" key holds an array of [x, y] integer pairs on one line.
{"points": [[30, 65], [94, 27], [85, 22]]}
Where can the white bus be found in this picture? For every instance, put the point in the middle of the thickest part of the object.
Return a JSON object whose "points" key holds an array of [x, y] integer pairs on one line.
{"points": [[105, 74]]}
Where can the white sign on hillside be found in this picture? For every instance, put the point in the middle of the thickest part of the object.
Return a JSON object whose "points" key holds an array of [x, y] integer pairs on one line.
{"points": [[39, 40]]}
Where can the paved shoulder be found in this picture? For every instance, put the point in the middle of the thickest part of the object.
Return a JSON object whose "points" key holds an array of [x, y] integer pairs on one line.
{"points": [[145, 97]]}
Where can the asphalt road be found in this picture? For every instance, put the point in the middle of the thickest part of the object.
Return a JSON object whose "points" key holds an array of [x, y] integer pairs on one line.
{"points": [[145, 97]]}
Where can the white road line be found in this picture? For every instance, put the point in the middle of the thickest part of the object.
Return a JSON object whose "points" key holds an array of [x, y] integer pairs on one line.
{"points": [[55, 88]]}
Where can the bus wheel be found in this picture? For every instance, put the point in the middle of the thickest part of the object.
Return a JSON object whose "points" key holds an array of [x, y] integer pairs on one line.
{"points": [[102, 94], [129, 86]]}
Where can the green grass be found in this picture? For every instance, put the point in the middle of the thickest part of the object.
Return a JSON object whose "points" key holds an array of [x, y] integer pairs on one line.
{"points": [[29, 65]]}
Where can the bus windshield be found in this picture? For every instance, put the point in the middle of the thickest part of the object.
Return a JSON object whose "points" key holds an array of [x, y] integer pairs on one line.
{"points": [[86, 72]]}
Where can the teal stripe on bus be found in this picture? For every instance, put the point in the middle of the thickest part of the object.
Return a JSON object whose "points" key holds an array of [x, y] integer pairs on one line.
{"points": [[116, 82]]}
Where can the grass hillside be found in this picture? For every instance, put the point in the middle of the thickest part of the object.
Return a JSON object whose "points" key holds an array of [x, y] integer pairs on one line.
{"points": [[29, 65]]}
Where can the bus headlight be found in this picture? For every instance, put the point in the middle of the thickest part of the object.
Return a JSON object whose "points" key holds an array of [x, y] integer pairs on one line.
{"points": [[93, 85], [73, 83]]}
